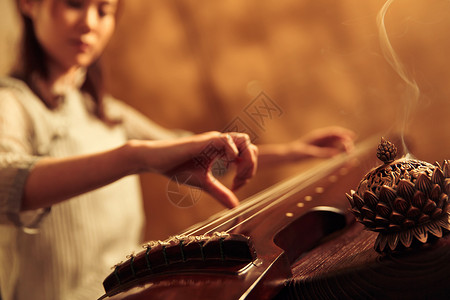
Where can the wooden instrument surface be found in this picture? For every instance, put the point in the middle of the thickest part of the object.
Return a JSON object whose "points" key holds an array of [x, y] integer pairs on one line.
{"points": [[284, 223], [348, 267]]}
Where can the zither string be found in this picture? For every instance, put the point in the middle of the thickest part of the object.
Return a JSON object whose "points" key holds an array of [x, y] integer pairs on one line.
{"points": [[280, 192]]}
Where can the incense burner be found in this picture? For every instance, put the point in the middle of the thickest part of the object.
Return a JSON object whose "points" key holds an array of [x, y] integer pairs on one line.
{"points": [[404, 200]]}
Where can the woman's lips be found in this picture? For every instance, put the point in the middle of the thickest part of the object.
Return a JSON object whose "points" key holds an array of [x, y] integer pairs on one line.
{"points": [[82, 46]]}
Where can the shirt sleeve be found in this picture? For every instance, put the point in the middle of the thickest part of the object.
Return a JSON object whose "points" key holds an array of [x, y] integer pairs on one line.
{"points": [[16, 156], [137, 125]]}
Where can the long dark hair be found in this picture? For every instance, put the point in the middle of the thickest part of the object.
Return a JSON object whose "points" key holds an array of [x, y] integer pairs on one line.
{"points": [[32, 61]]}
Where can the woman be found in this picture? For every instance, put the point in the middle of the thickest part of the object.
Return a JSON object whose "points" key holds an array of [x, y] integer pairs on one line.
{"points": [[70, 203]]}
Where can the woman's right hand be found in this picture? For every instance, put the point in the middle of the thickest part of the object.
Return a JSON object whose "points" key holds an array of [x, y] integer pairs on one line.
{"points": [[53, 180], [192, 158]]}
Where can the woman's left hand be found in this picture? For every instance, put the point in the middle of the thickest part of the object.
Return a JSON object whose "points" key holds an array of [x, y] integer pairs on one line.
{"points": [[321, 143], [324, 142]]}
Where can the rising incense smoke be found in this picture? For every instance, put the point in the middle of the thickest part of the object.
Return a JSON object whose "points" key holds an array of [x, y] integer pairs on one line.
{"points": [[412, 92]]}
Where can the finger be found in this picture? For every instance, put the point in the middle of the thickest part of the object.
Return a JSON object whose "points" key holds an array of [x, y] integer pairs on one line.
{"points": [[327, 152], [247, 162], [328, 136], [344, 143], [339, 131], [225, 141], [238, 182], [246, 169], [349, 145], [220, 192], [321, 152]]}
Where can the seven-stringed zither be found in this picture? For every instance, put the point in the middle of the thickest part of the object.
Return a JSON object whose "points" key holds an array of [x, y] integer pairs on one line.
{"points": [[267, 246]]}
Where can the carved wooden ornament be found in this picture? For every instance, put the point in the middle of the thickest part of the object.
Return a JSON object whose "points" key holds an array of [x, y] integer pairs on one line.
{"points": [[405, 200]]}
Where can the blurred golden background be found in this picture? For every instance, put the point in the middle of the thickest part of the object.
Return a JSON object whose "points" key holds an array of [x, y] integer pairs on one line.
{"points": [[197, 65]]}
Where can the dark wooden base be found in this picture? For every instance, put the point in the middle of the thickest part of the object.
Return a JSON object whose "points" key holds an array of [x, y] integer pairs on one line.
{"points": [[347, 267]]}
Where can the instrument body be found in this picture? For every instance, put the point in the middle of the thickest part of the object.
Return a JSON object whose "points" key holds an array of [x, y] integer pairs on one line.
{"points": [[348, 267], [285, 222]]}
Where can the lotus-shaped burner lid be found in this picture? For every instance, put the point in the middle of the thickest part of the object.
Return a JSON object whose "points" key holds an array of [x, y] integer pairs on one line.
{"points": [[405, 200]]}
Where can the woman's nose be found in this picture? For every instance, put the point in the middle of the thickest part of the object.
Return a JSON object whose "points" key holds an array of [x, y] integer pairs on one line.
{"points": [[90, 19]]}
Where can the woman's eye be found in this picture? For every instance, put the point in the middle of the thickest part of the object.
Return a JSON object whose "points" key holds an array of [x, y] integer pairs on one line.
{"points": [[74, 3], [107, 9]]}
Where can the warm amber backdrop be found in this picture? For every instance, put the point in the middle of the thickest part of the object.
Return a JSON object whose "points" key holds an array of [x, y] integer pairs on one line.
{"points": [[197, 64]]}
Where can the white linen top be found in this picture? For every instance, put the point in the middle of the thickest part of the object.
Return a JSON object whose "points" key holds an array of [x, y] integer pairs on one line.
{"points": [[66, 252]]}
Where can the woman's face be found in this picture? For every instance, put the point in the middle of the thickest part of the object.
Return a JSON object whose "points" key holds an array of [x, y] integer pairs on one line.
{"points": [[72, 32]]}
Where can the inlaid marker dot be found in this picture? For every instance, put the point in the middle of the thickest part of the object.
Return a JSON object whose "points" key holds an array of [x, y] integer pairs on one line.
{"points": [[289, 215], [308, 198], [343, 171], [333, 178], [300, 204], [319, 190]]}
